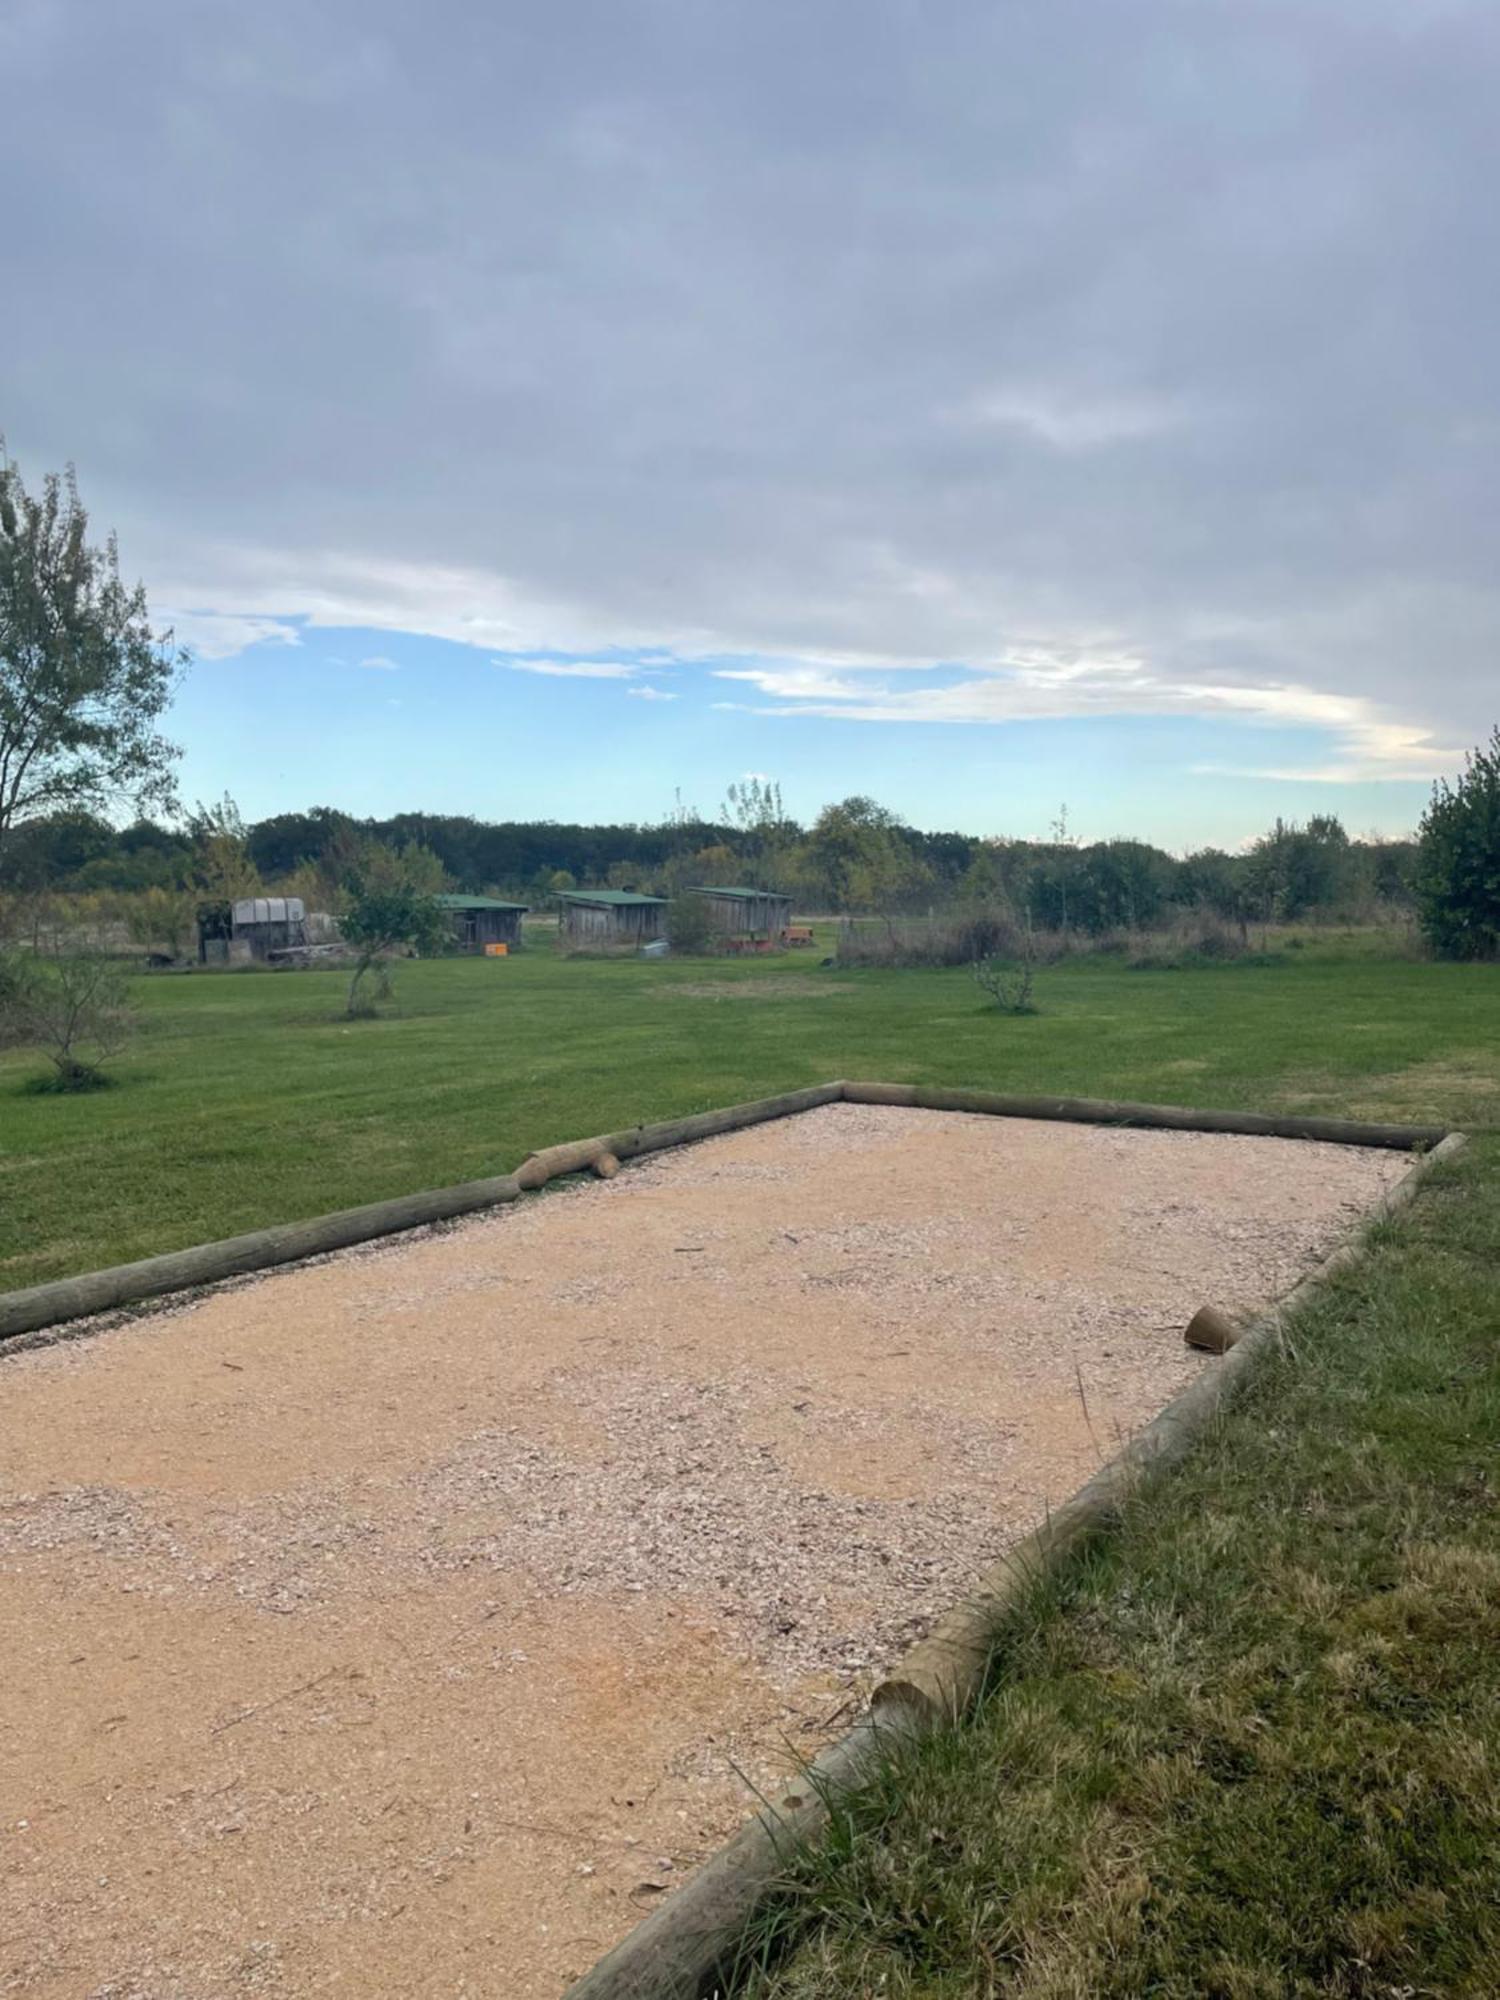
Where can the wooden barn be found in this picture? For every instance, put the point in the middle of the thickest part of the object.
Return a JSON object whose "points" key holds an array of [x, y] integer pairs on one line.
{"points": [[481, 920], [611, 917], [755, 914]]}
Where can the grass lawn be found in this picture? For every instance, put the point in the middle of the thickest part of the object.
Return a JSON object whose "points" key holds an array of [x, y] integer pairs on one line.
{"points": [[247, 1100], [1249, 1747]]}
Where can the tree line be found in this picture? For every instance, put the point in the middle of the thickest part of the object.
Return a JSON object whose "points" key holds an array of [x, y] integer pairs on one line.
{"points": [[854, 858]]}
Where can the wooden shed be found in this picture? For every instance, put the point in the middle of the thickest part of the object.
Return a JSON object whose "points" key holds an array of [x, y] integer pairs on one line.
{"points": [[611, 917], [748, 913], [481, 920]]}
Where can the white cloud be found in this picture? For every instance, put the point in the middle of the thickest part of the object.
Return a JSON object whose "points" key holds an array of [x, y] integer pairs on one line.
{"points": [[1073, 420], [1032, 684], [380, 664], [220, 635], [651, 694], [579, 670]]}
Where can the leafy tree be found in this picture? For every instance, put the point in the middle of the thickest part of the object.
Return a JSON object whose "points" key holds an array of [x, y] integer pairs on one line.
{"points": [[983, 881], [390, 907], [859, 855], [1458, 866], [83, 678], [1218, 882], [1294, 870], [162, 919], [74, 1008], [716, 867], [288, 841], [222, 867]]}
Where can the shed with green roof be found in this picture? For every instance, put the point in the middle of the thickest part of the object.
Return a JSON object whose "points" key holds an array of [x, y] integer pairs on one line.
{"points": [[611, 917], [755, 913], [482, 920]]}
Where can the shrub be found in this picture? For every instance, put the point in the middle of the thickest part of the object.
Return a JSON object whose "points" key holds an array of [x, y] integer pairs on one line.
{"points": [[959, 938], [1197, 939], [690, 929], [1458, 865], [1008, 983]]}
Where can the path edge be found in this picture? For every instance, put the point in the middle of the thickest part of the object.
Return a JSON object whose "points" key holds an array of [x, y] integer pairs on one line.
{"points": [[688, 1949]]}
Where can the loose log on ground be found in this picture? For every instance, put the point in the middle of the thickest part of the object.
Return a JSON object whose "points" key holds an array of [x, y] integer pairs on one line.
{"points": [[1211, 1331]]}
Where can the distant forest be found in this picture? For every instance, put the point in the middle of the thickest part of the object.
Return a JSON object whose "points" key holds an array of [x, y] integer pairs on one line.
{"points": [[854, 857]]}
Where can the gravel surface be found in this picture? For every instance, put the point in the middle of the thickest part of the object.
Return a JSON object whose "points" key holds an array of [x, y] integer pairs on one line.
{"points": [[407, 1622]]}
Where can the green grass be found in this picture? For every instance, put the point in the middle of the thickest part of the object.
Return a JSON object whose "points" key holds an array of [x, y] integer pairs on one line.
{"points": [[247, 1100], [1248, 1747], [1251, 1747]]}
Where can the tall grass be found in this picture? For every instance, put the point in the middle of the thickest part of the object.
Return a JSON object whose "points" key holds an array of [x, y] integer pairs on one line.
{"points": [[964, 937]]}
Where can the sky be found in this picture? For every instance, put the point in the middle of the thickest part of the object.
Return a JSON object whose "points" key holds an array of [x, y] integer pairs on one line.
{"points": [[560, 409]]}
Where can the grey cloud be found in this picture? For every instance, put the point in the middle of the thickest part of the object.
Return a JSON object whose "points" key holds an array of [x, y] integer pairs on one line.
{"points": [[876, 333]]}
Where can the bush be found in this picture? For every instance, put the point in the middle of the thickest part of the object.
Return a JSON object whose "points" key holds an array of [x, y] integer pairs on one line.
{"points": [[1199, 939], [690, 929], [1458, 865], [1008, 982], [959, 938]]}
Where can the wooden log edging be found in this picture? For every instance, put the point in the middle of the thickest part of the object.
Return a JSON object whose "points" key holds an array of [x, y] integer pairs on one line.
{"points": [[1161, 1117], [236, 1256], [119, 1285], [688, 1949]]}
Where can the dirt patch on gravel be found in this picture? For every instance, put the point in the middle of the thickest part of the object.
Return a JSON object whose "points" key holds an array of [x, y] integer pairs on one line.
{"points": [[408, 1622]]}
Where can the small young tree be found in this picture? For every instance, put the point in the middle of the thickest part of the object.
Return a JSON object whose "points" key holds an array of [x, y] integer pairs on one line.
{"points": [[83, 678], [1008, 980], [387, 915], [1458, 863], [74, 1008]]}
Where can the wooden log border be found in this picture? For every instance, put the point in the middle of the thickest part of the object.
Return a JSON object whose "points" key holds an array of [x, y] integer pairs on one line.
{"points": [[691, 1947], [687, 1949], [120, 1285], [288, 1243]]}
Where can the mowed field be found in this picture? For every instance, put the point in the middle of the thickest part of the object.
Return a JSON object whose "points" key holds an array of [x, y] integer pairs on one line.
{"points": [[246, 1099], [1247, 1748]]}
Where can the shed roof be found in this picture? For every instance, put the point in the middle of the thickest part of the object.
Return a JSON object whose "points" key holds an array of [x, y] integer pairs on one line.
{"points": [[745, 895], [611, 899], [477, 903]]}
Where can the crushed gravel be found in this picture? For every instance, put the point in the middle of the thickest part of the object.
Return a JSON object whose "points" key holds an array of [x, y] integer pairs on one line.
{"points": [[413, 1617]]}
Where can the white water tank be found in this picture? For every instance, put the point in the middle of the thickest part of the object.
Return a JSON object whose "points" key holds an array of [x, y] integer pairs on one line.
{"points": [[268, 910]]}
